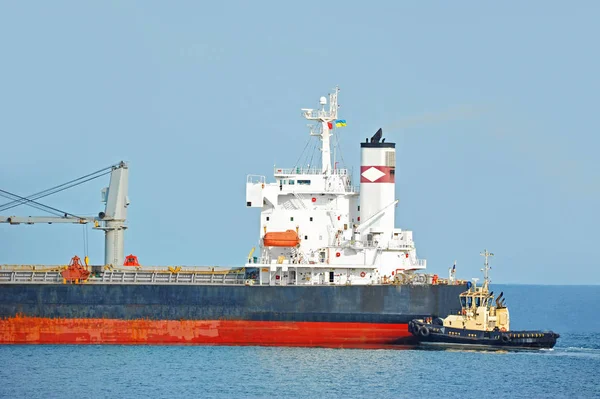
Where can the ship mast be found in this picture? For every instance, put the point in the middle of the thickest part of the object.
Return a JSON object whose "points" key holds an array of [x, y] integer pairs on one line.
{"points": [[323, 130], [486, 268]]}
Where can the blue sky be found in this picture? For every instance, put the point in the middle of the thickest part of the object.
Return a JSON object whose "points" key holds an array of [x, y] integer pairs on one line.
{"points": [[494, 109]]}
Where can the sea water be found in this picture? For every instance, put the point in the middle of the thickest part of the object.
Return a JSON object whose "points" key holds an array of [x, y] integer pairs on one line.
{"points": [[570, 370]]}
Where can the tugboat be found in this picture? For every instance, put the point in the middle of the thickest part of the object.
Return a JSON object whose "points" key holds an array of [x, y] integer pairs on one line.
{"points": [[479, 324]]}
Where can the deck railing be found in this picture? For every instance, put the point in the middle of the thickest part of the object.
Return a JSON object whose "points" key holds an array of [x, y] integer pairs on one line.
{"points": [[308, 171]]}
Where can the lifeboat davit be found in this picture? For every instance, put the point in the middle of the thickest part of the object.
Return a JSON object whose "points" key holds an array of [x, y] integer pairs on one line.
{"points": [[288, 238]]}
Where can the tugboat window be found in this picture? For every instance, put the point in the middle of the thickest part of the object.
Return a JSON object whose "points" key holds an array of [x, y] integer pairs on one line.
{"points": [[478, 302], [469, 302], [463, 302]]}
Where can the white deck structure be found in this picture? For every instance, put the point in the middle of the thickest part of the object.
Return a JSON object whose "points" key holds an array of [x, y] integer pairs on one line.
{"points": [[344, 238]]}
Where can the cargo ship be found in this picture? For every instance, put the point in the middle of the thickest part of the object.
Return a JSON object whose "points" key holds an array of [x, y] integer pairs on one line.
{"points": [[331, 269]]}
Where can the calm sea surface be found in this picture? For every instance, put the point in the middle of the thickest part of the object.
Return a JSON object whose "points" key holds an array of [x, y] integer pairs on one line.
{"points": [[571, 370]]}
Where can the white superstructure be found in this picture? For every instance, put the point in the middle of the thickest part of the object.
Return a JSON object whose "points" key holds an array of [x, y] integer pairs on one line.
{"points": [[342, 238]]}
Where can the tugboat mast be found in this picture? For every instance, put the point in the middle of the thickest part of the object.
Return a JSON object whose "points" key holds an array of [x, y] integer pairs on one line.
{"points": [[486, 268]]}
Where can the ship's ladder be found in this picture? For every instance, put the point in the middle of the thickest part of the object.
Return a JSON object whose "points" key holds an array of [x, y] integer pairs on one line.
{"points": [[301, 199], [294, 203], [301, 258], [287, 205]]}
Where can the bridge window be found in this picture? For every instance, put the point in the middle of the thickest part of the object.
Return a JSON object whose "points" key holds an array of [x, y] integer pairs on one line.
{"points": [[478, 302], [463, 302], [303, 182]]}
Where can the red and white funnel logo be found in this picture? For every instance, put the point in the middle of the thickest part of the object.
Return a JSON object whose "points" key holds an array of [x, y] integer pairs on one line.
{"points": [[377, 174]]}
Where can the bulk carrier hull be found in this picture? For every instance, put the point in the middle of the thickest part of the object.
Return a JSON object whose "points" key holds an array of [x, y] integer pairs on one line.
{"points": [[330, 316], [331, 268]]}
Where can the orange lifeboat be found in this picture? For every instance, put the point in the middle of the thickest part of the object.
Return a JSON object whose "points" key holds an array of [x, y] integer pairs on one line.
{"points": [[131, 260], [287, 238]]}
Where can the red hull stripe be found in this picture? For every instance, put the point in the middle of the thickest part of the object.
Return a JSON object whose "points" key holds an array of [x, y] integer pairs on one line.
{"points": [[377, 174], [34, 330]]}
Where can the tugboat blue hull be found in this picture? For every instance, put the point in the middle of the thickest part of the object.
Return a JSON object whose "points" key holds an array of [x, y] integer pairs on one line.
{"points": [[435, 334]]}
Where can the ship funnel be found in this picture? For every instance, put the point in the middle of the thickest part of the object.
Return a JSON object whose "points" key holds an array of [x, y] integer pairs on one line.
{"points": [[377, 185]]}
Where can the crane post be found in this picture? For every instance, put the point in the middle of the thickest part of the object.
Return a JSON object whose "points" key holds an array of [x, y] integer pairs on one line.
{"points": [[115, 214]]}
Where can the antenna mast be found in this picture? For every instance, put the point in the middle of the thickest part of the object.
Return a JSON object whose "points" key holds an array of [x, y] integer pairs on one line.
{"points": [[325, 117], [486, 265]]}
